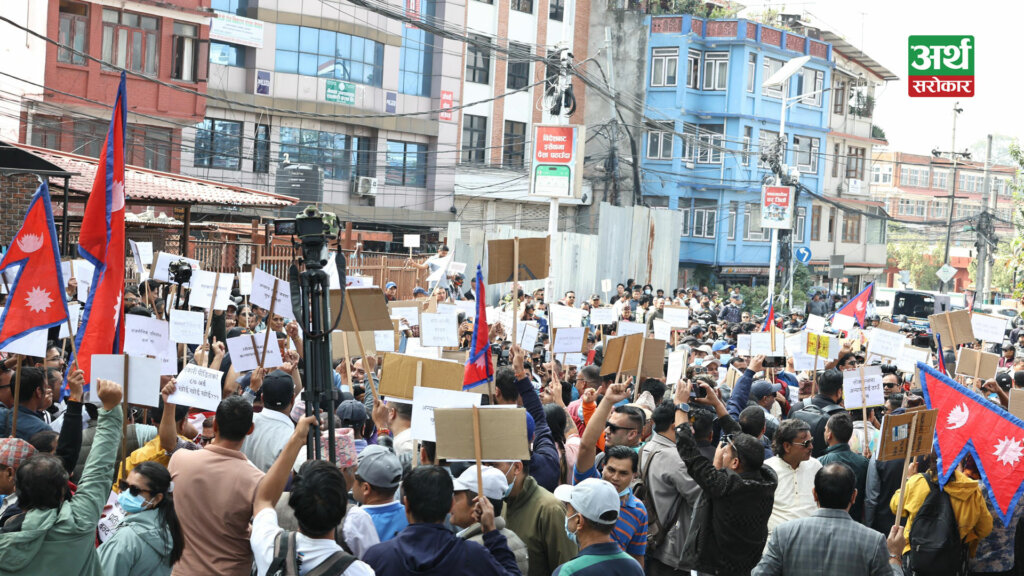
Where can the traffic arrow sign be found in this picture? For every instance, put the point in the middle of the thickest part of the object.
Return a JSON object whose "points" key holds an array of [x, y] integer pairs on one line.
{"points": [[803, 254]]}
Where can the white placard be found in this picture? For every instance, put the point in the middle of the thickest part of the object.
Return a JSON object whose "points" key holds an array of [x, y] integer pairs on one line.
{"points": [[31, 344], [83, 292], [796, 348], [872, 388], [568, 340], [675, 366], [143, 377], [602, 316], [197, 387], [662, 330], [457, 268], [139, 266], [75, 314], [606, 285], [439, 330], [885, 343], [467, 307], [202, 290], [187, 327], [743, 344], [245, 356], [334, 281], [358, 281], [414, 348], [65, 273], [815, 323], [111, 519], [843, 322], [761, 343], [528, 332], [677, 317], [263, 293], [626, 328], [445, 308], [560, 316], [145, 336], [245, 283], [384, 341], [578, 359], [411, 240], [83, 271], [425, 399], [410, 314], [989, 328], [163, 259], [910, 356], [145, 252], [169, 360]]}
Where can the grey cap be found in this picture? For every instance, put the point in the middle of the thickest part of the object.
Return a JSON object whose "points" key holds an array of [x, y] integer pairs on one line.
{"points": [[351, 411], [763, 388], [379, 467]]}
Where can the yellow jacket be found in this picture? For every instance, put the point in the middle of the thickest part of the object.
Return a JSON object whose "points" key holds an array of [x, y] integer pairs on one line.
{"points": [[150, 451], [968, 503]]}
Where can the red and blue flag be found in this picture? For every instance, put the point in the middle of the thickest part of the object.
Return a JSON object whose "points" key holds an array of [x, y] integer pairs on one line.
{"points": [[858, 306], [769, 319], [480, 368]]}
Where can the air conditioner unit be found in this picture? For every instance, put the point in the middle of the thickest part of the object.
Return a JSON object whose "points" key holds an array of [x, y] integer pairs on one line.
{"points": [[366, 186]]}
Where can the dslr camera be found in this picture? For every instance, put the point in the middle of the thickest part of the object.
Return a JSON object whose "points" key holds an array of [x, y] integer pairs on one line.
{"points": [[180, 271]]}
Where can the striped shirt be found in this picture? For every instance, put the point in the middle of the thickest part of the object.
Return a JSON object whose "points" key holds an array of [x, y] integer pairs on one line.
{"points": [[631, 527], [604, 559]]}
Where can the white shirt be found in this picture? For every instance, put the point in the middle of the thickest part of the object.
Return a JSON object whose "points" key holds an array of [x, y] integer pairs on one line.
{"points": [[404, 442], [359, 531], [271, 431], [311, 551], [793, 496]]}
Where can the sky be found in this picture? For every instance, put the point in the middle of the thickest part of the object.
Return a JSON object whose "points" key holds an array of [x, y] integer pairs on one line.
{"points": [[881, 27]]}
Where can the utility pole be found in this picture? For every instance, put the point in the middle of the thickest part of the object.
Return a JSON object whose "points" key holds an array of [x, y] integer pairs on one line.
{"points": [[952, 189], [612, 167], [981, 230]]}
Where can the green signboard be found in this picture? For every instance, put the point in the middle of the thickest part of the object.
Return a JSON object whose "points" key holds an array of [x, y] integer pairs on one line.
{"points": [[341, 92]]}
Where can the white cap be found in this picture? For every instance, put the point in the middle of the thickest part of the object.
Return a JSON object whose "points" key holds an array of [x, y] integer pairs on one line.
{"points": [[495, 482], [596, 500]]}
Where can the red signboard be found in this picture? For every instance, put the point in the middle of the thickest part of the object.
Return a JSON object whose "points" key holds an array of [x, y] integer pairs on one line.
{"points": [[554, 144], [447, 100]]}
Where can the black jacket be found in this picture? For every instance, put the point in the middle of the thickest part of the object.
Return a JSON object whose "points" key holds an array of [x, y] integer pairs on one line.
{"points": [[729, 527]]}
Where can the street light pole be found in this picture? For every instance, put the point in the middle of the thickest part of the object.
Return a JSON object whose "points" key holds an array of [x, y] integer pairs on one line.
{"points": [[952, 194]]}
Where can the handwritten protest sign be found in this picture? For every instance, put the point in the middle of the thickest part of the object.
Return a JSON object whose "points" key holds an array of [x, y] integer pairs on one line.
{"points": [[426, 400], [568, 340], [263, 293], [818, 345], [444, 308], [246, 350], [871, 383], [528, 332], [439, 330], [843, 322], [743, 344], [761, 343], [245, 283], [197, 387], [187, 327], [676, 365], [74, 315], [202, 291], [886, 344], [662, 330], [910, 356], [677, 316], [384, 340], [560, 316], [989, 328], [628, 328], [144, 336], [467, 307], [409, 310], [602, 316], [414, 347]]}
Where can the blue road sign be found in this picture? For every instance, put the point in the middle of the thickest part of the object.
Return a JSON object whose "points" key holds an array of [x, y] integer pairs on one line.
{"points": [[803, 255]]}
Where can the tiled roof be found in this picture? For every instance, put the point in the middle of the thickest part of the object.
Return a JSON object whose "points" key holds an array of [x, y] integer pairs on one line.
{"points": [[150, 186]]}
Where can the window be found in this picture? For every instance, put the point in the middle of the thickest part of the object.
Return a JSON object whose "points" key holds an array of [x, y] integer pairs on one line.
{"points": [[513, 152], [89, 136], [831, 224], [218, 144], [556, 10], [716, 70], [839, 98], [659, 143], [149, 147], [733, 208], [239, 7], [478, 59], [407, 164], [875, 231], [806, 152], [752, 224], [519, 59], [416, 62], [938, 209], [751, 71], [810, 82], [131, 41], [664, 63], [46, 131], [769, 67], [855, 162], [705, 218], [72, 31], [851, 228], [332, 152], [474, 139], [185, 45], [227, 54], [906, 207], [920, 208], [522, 6], [970, 182], [693, 69], [261, 150], [327, 54], [881, 174], [748, 135], [709, 144], [815, 223], [836, 159], [686, 222], [765, 145], [801, 222]]}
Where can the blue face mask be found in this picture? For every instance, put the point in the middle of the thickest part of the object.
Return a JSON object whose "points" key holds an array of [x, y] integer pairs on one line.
{"points": [[511, 485], [131, 504], [698, 361], [624, 493], [571, 535]]}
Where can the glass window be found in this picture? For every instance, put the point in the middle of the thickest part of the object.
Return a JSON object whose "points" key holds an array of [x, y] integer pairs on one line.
{"points": [[810, 82], [748, 135], [851, 228], [149, 147], [556, 10], [522, 6], [218, 144], [659, 143], [815, 223], [474, 139], [261, 150], [855, 162], [751, 71], [518, 75], [185, 51], [716, 70], [239, 7], [710, 143], [332, 152], [478, 59], [513, 152], [406, 164], [131, 41], [685, 228], [839, 98], [72, 31], [767, 140], [752, 224], [227, 54], [89, 136], [46, 131], [693, 69], [801, 223], [733, 208], [314, 52], [806, 152], [769, 67], [416, 66], [705, 218], [664, 63]]}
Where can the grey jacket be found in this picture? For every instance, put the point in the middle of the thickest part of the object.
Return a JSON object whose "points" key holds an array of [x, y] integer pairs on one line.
{"points": [[671, 487], [515, 544]]}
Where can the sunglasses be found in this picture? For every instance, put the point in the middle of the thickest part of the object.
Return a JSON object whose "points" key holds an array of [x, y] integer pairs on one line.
{"points": [[134, 490], [204, 440], [890, 384], [245, 314], [613, 428], [805, 443]]}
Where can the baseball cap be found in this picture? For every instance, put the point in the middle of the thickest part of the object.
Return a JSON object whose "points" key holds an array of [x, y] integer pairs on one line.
{"points": [[1008, 347], [596, 500], [14, 451], [763, 388], [419, 291], [595, 297], [351, 411], [390, 285], [719, 345], [495, 483], [705, 349], [278, 389], [1004, 380], [379, 467]]}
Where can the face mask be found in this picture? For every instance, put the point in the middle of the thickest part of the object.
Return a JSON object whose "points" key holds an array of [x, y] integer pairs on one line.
{"points": [[131, 504], [698, 361], [511, 484], [624, 493], [648, 292], [571, 535]]}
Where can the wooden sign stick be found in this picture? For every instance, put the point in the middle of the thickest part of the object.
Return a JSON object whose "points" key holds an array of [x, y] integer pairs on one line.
{"points": [[17, 392], [124, 422], [639, 366], [515, 289], [209, 315], [864, 405], [270, 315], [359, 341], [478, 449], [906, 467], [622, 358], [419, 380]]}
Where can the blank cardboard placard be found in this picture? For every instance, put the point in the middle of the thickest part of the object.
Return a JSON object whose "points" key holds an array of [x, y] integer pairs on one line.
{"points": [[338, 342], [454, 355], [872, 384], [1017, 403], [144, 336], [409, 310], [411, 240], [954, 328], [815, 323], [370, 308], [989, 328], [245, 356], [626, 328], [245, 283], [843, 322], [602, 316], [654, 360], [910, 356], [439, 330], [677, 316], [187, 327], [426, 400], [569, 340], [502, 434], [888, 326], [74, 315], [896, 433], [886, 344], [143, 376], [976, 364], [398, 375], [534, 256], [662, 330], [626, 348], [202, 291], [676, 366]]}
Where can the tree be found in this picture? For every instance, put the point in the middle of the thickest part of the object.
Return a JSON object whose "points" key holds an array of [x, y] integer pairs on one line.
{"points": [[1015, 247], [920, 259]]}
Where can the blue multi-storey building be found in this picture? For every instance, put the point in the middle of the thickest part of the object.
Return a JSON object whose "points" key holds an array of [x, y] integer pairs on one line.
{"points": [[705, 94]]}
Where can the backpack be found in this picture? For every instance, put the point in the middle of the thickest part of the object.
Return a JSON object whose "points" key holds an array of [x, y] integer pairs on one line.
{"points": [[286, 559], [816, 418], [935, 544]]}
